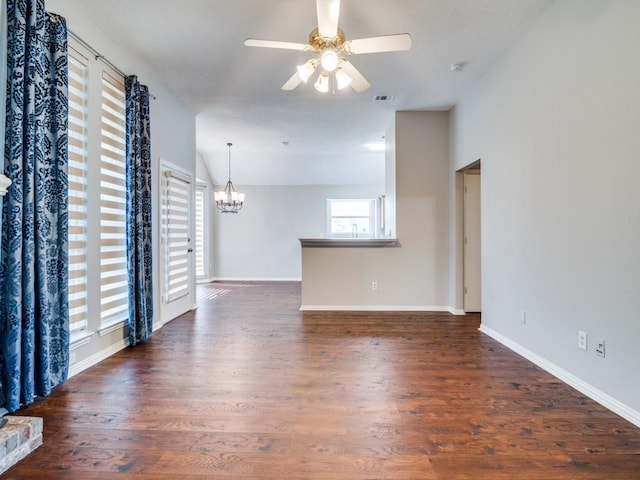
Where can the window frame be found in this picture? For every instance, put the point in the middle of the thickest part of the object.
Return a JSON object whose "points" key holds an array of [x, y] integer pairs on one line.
{"points": [[371, 217], [96, 71], [114, 295], [78, 279]]}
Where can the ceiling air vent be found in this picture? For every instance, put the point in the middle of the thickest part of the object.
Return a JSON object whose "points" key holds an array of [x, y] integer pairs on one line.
{"points": [[383, 98]]}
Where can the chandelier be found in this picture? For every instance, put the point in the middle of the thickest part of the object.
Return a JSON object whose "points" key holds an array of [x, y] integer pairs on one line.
{"points": [[228, 200]]}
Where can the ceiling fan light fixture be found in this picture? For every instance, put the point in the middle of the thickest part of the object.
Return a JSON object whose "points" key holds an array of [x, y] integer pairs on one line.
{"points": [[342, 79], [329, 59], [322, 83], [306, 70], [328, 41]]}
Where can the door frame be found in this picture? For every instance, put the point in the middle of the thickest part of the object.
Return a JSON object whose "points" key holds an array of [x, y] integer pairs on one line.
{"points": [[458, 297], [171, 310]]}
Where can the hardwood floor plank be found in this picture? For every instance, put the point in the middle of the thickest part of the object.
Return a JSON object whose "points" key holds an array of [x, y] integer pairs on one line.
{"points": [[319, 466], [193, 441], [248, 387], [535, 467]]}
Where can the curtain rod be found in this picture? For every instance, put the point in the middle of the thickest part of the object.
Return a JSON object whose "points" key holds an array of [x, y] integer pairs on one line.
{"points": [[99, 56]]}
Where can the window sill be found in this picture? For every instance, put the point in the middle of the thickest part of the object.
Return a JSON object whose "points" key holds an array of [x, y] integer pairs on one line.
{"points": [[112, 328], [80, 340]]}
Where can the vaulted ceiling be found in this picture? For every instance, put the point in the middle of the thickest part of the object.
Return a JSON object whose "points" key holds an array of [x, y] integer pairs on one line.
{"points": [[302, 136]]}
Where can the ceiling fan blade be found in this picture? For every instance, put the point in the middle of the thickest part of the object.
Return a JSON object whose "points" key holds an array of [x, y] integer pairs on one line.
{"points": [[328, 14], [387, 43], [254, 42], [358, 82], [293, 82]]}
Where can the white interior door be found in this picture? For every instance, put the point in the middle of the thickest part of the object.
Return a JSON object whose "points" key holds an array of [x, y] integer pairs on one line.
{"points": [[177, 249], [472, 250]]}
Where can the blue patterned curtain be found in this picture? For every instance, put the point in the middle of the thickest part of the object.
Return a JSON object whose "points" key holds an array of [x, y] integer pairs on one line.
{"points": [[139, 211], [3, 68], [34, 315]]}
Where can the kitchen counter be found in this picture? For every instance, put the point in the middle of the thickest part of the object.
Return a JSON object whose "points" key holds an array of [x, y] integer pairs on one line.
{"points": [[348, 242]]}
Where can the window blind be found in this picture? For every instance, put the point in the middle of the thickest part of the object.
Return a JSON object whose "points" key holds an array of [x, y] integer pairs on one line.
{"points": [[175, 225], [77, 174], [200, 271], [114, 300]]}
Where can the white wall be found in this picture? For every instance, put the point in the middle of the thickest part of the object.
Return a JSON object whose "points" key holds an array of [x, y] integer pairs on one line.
{"points": [[422, 196], [172, 139], [557, 126], [415, 274], [390, 229], [261, 241]]}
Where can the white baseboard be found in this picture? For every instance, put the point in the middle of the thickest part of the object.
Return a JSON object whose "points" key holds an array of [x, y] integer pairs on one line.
{"points": [[255, 279], [97, 357], [583, 387], [372, 308], [204, 280], [456, 311]]}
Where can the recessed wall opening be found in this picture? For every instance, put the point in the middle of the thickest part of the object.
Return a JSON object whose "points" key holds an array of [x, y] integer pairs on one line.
{"points": [[471, 238]]}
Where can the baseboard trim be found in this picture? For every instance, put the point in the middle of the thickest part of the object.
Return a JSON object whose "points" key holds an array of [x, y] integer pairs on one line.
{"points": [[255, 279], [583, 387], [97, 357], [204, 280], [373, 308]]}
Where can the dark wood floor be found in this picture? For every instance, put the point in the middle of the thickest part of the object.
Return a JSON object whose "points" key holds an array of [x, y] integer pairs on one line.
{"points": [[248, 387]]}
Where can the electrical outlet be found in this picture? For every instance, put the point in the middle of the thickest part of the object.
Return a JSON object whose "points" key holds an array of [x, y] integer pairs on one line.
{"points": [[582, 340], [600, 347], [374, 286]]}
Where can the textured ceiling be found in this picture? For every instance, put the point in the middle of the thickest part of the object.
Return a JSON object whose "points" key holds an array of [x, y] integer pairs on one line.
{"points": [[196, 48]]}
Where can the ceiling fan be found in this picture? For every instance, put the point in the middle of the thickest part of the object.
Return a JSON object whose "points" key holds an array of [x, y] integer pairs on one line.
{"points": [[330, 43]]}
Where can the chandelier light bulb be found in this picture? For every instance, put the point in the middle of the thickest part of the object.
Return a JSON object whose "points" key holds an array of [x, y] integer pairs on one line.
{"points": [[322, 84], [342, 79], [329, 59]]}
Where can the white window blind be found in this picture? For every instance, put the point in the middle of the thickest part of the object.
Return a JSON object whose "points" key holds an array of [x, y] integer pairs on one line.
{"points": [[114, 300], [175, 226], [200, 270], [77, 174]]}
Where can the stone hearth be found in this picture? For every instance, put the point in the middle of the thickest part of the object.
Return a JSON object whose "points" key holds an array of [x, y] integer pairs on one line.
{"points": [[18, 438]]}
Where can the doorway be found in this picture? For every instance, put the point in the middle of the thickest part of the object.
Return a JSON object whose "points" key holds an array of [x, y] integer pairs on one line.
{"points": [[472, 256], [176, 265]]}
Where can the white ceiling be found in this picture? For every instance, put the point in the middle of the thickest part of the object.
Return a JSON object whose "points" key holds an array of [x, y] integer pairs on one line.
{"points": [[196, 48]]}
